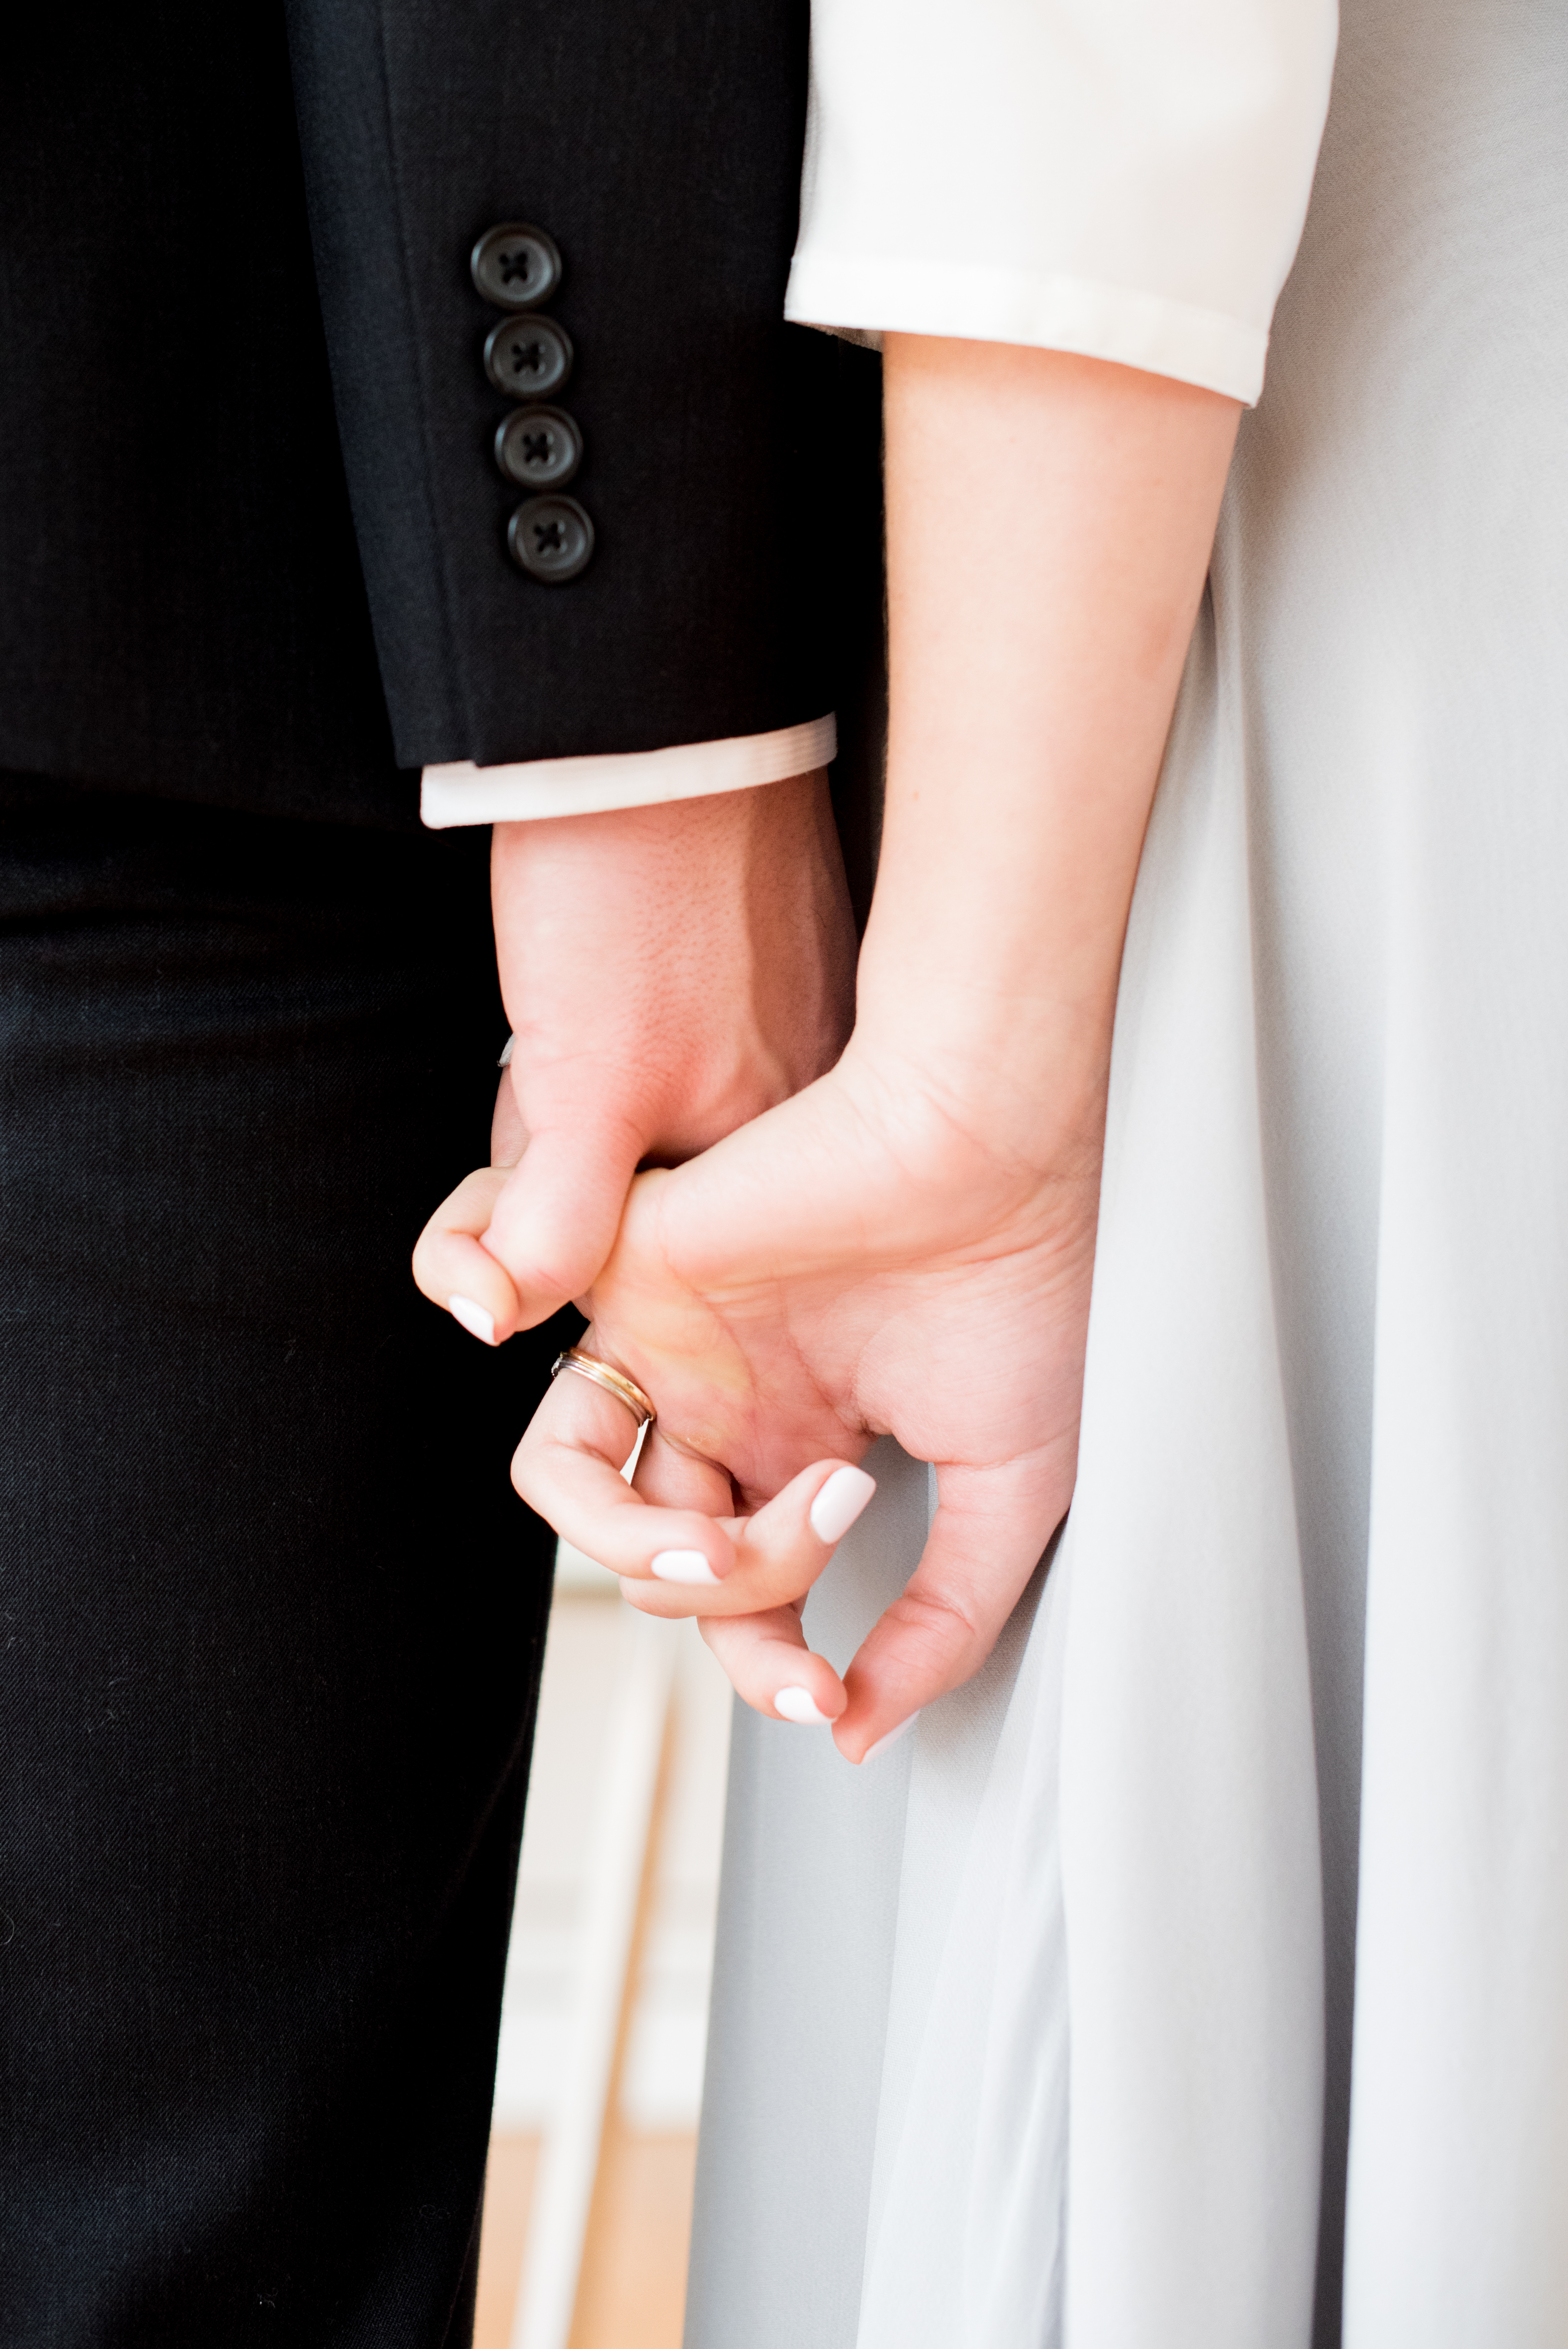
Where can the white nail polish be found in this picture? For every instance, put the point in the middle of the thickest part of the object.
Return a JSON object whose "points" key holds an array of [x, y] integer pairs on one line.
{"points": [[505, 1060], [891, 1739], [473, 1318], [796, 1704], [840, 1502], [683, 1566]]}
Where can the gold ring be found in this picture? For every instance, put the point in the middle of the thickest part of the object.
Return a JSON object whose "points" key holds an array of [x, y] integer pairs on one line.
{"points": [[615, 1383]]}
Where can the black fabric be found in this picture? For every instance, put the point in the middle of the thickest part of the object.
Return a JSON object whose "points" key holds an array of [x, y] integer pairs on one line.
{"points": [[659, 143], [271, 1615], [182, 606]]}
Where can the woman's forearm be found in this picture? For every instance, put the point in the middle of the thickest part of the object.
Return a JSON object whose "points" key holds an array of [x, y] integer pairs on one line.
{"points": [[1049, 525]]}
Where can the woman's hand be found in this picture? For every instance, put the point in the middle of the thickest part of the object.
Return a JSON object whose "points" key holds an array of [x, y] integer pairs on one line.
{"points": [[669, 972], [866, 1259]]}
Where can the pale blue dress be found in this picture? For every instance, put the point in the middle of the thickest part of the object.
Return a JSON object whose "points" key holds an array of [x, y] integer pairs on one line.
{"points": [[1197, 1978]]}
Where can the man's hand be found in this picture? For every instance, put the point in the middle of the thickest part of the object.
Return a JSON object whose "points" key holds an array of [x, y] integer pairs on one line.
{"points": [[669, 972]]}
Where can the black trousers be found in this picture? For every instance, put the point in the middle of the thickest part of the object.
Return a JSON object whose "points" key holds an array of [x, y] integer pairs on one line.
{"points": [[270, 1616]]}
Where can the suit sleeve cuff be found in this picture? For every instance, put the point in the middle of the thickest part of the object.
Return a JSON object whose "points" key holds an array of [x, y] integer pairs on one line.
{"points": [[463, 794]]}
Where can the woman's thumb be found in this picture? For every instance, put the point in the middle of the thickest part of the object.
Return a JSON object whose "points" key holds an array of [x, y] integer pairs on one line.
{"points": [[989, 1530]]}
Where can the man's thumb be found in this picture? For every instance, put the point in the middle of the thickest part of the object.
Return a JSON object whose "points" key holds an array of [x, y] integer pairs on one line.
{"points": [[555, 1219]]}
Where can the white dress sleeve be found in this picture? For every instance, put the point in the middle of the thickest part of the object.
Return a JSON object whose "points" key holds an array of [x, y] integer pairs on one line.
{"points": [[1123, 178]]}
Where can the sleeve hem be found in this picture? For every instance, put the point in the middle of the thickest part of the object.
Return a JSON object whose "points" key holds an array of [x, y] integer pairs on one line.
{"points": [[890, 294], [463, 793]]}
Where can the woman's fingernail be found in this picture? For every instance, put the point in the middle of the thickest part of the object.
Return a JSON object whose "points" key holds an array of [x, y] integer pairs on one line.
{"points": [[473, 1318], [891, 1739], [840, 1502], [505, 1060], [683, 1566], [796, 1704]]}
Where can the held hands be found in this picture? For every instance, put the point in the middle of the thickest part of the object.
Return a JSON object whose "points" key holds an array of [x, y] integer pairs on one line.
{"points": [[864, 1258], [905, 1245], [669, 972]]}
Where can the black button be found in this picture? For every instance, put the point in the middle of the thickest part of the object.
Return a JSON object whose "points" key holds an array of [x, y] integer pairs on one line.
{"points": [[551, 537], [528, 358], [540, 448], [516, 266]]}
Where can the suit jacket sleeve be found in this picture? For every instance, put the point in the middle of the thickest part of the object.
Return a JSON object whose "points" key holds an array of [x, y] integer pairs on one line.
{"points": [[729, 461]]}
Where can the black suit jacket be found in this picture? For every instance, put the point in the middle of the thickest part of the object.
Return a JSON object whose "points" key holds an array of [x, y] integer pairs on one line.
{"points": [[246, 428]]}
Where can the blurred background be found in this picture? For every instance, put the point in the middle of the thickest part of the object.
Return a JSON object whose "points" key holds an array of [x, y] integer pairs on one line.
{"points": [[588, 2201]]}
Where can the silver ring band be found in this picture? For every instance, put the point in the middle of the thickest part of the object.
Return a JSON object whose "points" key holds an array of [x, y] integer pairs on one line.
{"points": [[615, 1383]]}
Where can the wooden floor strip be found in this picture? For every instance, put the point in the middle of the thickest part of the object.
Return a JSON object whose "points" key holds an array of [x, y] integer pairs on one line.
{"points": [[633, 2290]]}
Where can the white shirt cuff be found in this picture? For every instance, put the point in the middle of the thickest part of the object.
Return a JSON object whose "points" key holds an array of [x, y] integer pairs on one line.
{"points": [[463, 794]]}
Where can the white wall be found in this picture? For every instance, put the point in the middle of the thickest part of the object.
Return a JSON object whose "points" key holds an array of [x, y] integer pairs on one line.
{"points": [[663, 2081]]}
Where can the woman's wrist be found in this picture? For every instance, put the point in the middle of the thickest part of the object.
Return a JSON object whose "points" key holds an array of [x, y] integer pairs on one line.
{"points": [[966, 1095], [985, 977], [1037, 637]]}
